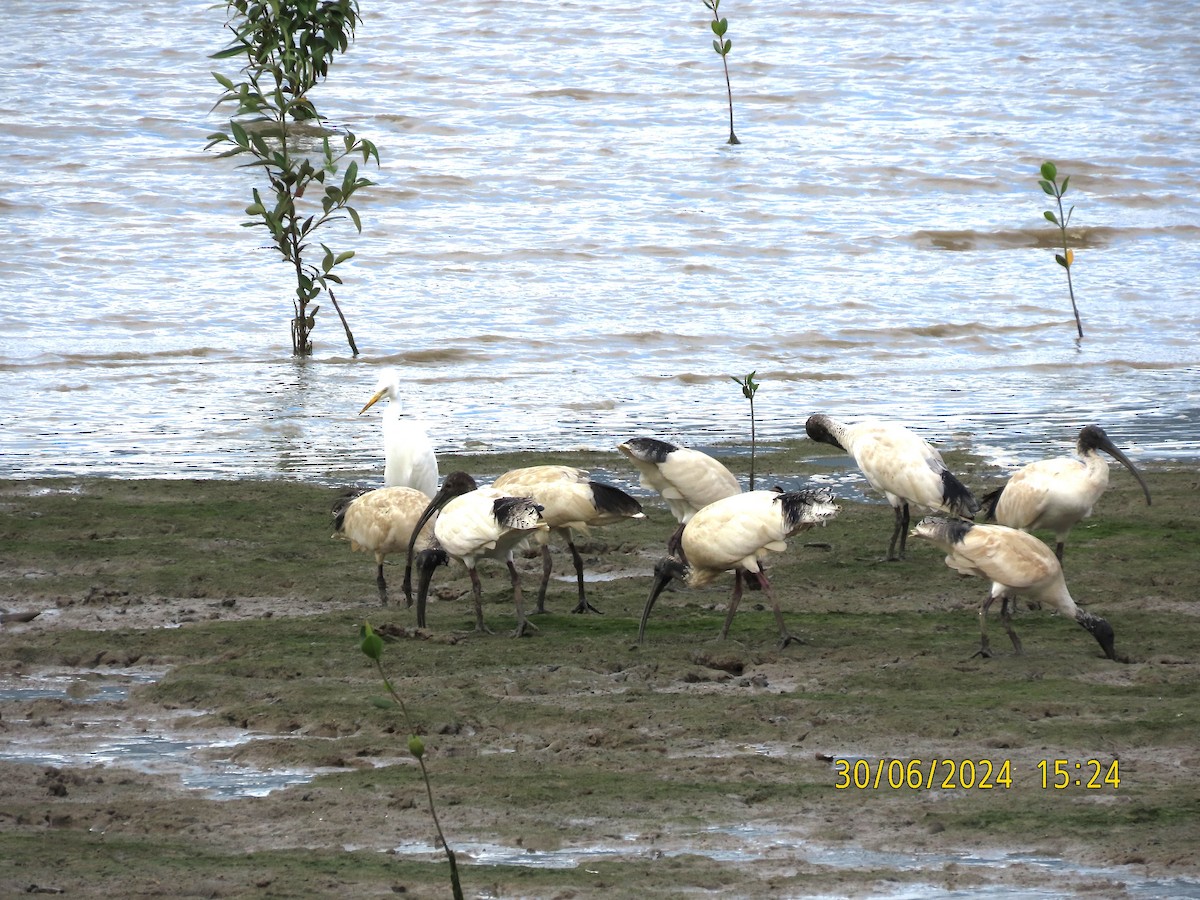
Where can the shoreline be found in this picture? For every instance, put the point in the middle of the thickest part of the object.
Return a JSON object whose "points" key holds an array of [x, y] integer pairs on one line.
{"points": [[235, 592]]}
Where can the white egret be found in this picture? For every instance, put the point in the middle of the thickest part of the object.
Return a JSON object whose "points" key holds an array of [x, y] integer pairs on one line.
{"points": [[409, 458]]}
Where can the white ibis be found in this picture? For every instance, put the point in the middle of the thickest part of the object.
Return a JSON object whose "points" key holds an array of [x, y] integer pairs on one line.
{"points": [[1057, 493], [735, 533], [1017, 564], [570, 502], [900, 464], [688, 480], [381, 522], [409, 459], [474, 523]]}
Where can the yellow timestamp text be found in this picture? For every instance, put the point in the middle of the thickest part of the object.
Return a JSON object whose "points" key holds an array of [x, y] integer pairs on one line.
{"points": [[1093, 774], [923, 774]]}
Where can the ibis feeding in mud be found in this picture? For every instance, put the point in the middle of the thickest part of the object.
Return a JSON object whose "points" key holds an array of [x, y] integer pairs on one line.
{"points": [[473, 523], [409, 458], [571, 502], [736, 533], [1055, 494], [900, 464], [687, 480], [381, 522], [1017, 564]]}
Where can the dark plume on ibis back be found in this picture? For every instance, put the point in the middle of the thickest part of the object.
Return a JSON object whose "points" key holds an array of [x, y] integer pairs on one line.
{"points": [[735, 534], [901, 465], [571, 503]]}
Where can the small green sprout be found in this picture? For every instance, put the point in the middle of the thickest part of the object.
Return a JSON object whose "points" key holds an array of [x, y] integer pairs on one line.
{"points": [[1052, 187], [749, 389], [372, 646], [723, 45]]}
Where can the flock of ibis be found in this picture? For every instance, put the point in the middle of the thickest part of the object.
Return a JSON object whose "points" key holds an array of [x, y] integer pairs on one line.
{"points": [[722, 528]]}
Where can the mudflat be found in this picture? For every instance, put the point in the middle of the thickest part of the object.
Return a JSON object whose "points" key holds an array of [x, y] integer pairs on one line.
{"points": [[577, 762]]}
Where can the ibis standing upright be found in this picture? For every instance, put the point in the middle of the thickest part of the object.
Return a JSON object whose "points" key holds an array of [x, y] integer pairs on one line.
{"points": [[409, 458], [900, 464], [570, 502], [382, 521], [1057, 493], [688, 480], [735, 533], [1017, 564], [473, 523]]}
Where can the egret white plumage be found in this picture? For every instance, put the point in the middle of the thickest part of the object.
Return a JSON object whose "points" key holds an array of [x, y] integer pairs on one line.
{"points": [[382, 521], [571, 502], [1057, 493], [688, 480], [900, 464], [1017, 564], [474, 523], [736, 533], [409, 458]]}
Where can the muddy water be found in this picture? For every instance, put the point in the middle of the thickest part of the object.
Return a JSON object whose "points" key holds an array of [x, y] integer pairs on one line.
{"points": [[563, 252], [103, 737]]}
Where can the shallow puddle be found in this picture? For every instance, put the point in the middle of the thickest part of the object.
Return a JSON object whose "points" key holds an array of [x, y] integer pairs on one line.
{"points": [[748, 844], [103, 738]]}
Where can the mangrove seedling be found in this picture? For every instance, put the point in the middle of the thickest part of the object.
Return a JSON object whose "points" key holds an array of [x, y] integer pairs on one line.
{"points": [[288, 48], [749, 389], [723, 45], [1054, 188], [372, 646]]}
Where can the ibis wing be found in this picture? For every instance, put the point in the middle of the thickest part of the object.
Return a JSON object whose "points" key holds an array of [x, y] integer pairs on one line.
{"points": [[1006, 556]]}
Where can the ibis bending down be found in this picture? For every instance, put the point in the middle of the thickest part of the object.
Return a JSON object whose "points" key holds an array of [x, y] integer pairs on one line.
{"points": [[1056, 493], [686, 479], [381, 522], [735, 534], [900, 464], [409, 457], [473, 523], [570, 502], [1017, 564]]}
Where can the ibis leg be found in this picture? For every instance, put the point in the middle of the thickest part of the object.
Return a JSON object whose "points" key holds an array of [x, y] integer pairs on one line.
{"points": [[897, 533], [733, 604], [985, 649], [381, 583], [477, 597], [675, 542], [546, 569], [1006, 621], [785, 636], [582, 606], [523, 624]]}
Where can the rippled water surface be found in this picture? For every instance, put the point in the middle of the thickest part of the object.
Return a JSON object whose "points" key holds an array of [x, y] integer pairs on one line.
{"points": [[562, 251]]}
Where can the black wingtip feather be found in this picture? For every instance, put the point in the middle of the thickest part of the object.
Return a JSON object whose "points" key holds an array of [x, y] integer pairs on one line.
{"points": [[957, 498], [613, 501], [989, 502], [342, 503]]}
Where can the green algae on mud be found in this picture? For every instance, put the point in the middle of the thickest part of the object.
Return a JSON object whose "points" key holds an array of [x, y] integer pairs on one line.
{"points": [[579, 736]]}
